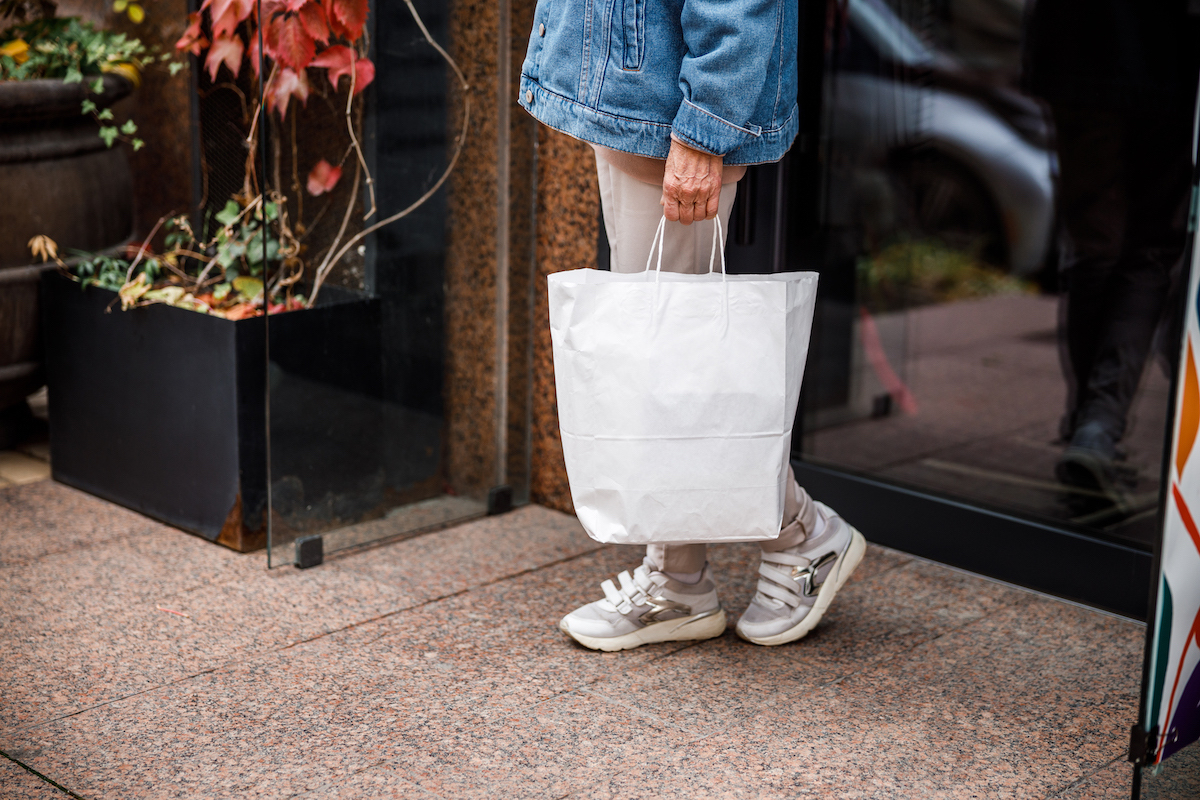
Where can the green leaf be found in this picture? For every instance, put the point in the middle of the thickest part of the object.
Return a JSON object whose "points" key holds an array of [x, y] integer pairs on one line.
{"points": [[73, 75], [98, 85], [229, 213], [137, 144], [221, 291], [88, 107], [119, 5], [105, 114], [272, 210], [174, 67], [229, 253], [249, 288], [129, 128], [109, 135]]}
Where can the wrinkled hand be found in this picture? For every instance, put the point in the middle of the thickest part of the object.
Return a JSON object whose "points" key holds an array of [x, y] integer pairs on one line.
{"points": [[691, 185]]}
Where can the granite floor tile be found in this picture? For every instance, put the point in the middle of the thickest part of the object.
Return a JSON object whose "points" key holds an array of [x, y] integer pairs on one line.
{"points": [[679, 774], [896, 610], [63, 662], [379, 782], [501, 644], [1019, 704], [552, 750], [275, 727], [711, 685], [476, 553], [152, 565], [1112, 782], [18, 783], [48, 517]]}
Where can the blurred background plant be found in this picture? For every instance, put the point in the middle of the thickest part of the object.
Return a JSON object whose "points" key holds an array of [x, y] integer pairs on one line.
{"points": [[915, 272], [255, 254]]}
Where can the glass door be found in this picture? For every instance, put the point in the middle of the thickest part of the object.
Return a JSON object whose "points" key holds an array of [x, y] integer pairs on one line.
{"points": [[990, 377]]}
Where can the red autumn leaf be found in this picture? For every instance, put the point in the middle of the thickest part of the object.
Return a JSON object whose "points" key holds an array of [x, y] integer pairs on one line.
{"points": [[241, 311], [323, 177], [364, 73], [339, 60], [226, 24], [287, 84], [288, 42], [226, 50], [217, 9], [193, 39], [347, 17], [312, 17]]}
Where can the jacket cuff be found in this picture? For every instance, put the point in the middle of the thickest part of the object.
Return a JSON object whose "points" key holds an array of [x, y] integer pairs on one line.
{"points": [[704, 131]]}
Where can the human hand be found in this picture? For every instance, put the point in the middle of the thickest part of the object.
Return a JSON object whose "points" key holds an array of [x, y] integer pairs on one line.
{"points": [[691, 184]]}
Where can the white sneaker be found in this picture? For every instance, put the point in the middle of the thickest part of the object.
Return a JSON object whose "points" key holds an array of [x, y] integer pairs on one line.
{"points": [[796, 585], [649, 607]]}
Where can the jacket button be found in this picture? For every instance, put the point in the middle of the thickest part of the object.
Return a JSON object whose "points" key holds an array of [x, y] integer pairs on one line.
{"points": [[529, 95], [541, 30]]}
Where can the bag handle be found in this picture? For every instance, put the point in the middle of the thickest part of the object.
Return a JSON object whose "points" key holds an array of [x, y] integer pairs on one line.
{"points": [[718, 245]]}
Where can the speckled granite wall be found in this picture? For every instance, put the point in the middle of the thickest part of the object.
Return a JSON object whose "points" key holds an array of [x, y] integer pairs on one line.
{"points": [[567, 226], [471, 258], [522, 205]]}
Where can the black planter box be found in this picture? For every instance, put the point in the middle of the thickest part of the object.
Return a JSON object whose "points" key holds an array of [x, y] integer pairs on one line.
{"points": [[164, 410]]}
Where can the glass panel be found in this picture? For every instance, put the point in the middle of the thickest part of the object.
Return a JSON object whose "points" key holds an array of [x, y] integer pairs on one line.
{"points": [[356, 342], [999, 249]]}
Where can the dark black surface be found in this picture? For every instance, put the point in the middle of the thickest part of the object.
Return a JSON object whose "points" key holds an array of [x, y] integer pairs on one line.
{"points": [[500, 500], [145, 407], [310, 551], [1047, 559], [163, 410]]}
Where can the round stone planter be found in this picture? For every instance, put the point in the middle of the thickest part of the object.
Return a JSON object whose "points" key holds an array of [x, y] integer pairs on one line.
{"points": [[60, 180]]}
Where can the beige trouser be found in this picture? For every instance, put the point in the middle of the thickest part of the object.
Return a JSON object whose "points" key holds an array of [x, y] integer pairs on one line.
{"points": [[631, 216]]}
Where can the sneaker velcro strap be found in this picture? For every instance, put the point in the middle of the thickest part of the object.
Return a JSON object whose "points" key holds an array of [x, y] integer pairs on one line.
{"points": [[788, 598], [610, 593]]}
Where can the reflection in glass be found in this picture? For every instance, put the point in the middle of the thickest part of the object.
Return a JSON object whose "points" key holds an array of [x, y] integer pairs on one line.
{"points": [[982, 325], [356, 380]]}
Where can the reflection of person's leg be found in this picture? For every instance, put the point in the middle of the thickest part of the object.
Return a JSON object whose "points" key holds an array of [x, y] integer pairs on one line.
{"points": [[1156, 152], [1092, 207], [1154, 188], [671, 596]]}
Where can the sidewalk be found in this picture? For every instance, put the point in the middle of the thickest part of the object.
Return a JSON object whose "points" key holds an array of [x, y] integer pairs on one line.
{"points": [[141, 662]]}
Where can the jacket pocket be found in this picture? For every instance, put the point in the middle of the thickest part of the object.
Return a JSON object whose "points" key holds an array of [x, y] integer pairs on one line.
{"points": [[633, 13]]}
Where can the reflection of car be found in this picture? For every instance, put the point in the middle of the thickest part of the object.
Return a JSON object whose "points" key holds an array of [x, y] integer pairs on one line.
{"points": [[917, 143]]}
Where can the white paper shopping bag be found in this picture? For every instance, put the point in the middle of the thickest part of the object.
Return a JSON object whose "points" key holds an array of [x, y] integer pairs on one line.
{"points": [[676, 398]]}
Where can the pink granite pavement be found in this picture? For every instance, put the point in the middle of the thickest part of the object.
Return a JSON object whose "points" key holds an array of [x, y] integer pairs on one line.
{"points": [[140, 662]]}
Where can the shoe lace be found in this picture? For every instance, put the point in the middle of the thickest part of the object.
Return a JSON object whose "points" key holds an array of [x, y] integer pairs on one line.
{"points": [[636, 590]]}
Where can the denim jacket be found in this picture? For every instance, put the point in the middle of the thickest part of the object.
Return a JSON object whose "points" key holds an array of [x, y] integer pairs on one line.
{"points": [[627, 74]]}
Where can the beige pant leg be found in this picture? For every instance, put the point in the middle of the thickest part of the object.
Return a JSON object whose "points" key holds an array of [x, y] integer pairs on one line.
{"points": [[631, 215], [797, 506]]}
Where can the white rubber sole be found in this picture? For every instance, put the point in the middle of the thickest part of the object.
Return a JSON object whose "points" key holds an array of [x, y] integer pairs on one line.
{"points": [[833, 582], [684, 629]]}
